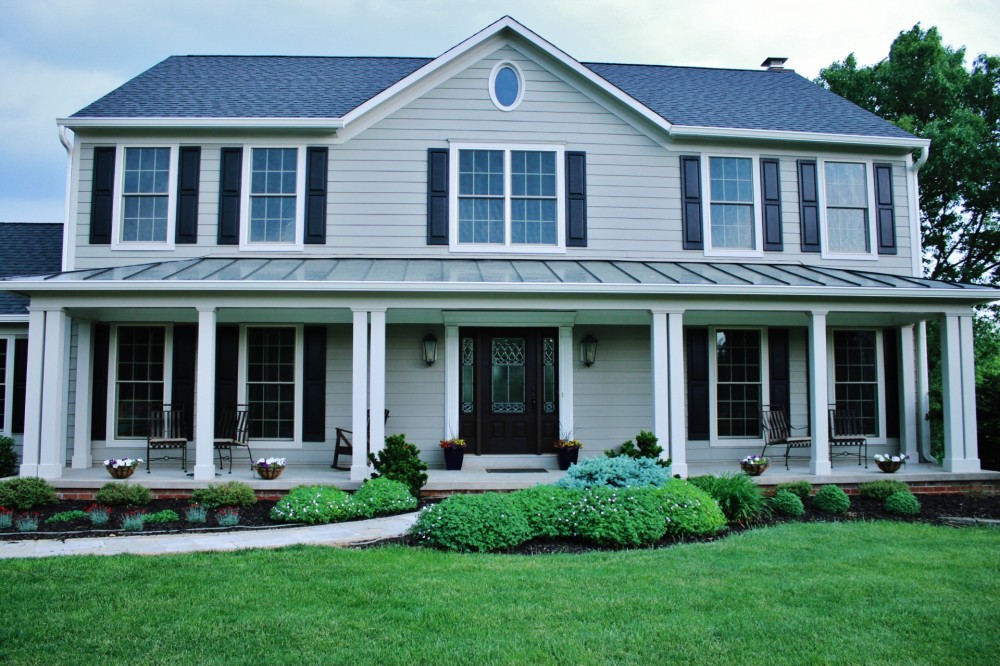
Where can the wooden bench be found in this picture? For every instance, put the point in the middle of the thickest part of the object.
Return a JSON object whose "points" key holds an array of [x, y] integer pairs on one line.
{"points": [[847, 429], [777, 432], [343, 445]]}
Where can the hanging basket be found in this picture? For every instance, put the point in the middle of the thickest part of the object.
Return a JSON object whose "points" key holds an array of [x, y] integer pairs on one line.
{"points": [[754, 469], [269, 473], [889, 466], [120, 472]]}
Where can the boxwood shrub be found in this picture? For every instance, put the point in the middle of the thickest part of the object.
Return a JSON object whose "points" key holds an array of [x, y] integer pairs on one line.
{"points": [[740, 499], [620, 472], [231, 493], [831, 499], [801, 489], [473, 523], [902, 504], [881, 489], [787, 503], [27, 492], [123, 494]]}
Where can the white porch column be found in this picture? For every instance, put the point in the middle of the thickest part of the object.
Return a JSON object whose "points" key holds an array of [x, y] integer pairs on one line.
{"points": [[82, 457], [33, 393], [52, 449], [566, 415], [452, 368], [204, 433], [819, 416], [661, 386], [376, 382], [958, 375], [359, 396], [923, 393], [675, 378], [908, 417]]}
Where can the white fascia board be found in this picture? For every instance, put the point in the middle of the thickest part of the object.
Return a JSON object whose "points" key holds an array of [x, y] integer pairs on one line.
{"points": [[14, 319], [329, 124], [694, 132]]}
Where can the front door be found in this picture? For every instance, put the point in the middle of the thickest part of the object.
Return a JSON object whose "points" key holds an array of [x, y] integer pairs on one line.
{"points": [[509, 393]]}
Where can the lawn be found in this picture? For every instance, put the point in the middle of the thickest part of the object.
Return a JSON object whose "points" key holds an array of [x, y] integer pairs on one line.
{"points": [[846, 593]]}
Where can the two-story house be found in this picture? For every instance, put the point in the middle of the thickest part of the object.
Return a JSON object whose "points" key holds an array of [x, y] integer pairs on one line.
{"points": [[501, 243]]}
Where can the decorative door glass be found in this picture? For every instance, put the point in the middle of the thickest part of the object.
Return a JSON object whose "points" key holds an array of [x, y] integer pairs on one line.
{"points": [[549, 375], [468, 376], [508, 360]]}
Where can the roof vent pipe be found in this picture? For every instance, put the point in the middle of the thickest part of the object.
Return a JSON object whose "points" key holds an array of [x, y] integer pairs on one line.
{"points": [[774, 64]]}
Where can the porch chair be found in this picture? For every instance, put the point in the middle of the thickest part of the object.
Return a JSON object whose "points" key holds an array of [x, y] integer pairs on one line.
{"points": [[343, 444], [847, 429], [166, 432], [233, 432], [777, 432]]}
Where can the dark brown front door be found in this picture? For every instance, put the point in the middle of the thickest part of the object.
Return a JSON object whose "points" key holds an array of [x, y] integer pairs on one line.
{"points": [[509, 389]]}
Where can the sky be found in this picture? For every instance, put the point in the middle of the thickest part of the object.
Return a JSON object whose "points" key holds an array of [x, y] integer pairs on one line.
{"points": [[57, 56]]}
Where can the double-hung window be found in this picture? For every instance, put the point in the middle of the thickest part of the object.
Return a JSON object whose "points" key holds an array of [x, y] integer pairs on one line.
{"points": [[3, 385], [270, 381], [734, 218], [145, 207], [508, 197], [848, 226], [274, 199], [739, 382], [139, 380], [855, 381]]}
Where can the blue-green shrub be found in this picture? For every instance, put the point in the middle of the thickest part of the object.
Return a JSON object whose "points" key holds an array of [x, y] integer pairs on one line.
{"points": [[378, 497], [787, 503], [314, 504], [620, 472], [473, 523], [831, 499], [687, 509], [740, 499], [902, 504]]}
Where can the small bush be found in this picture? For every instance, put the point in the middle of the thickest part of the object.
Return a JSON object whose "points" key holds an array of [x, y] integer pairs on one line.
{"points": [[801, 489], [473, 523], [66, 517], [228, 517], [378, 497], [26, 493], [688, 510], [619, 472], [6, 518], [881, 490], [165, 516], [400, 461], [740, 499], [547, 508], [231, 493], [123, 494], [314, 505], [831, 499], [787, 503], [196, 514], [99, 515], [645, 446], [8, 457], [133, 521], [902, 504], [618, 517], [27, 523]]}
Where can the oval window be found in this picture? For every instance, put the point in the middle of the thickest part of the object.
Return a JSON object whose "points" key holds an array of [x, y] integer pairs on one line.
{"points": [[506, 90]]}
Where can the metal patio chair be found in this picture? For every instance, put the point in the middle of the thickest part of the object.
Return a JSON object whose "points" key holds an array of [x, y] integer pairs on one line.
{"points": [[777, 432], [233, 432], [166, 433], [847, 429]]}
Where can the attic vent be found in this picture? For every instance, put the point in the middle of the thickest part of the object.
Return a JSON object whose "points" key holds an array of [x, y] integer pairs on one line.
{"points": [[774, 64]]}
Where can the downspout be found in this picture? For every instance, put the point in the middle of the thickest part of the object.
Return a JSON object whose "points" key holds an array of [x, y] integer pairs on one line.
{"points": [[920, 331], [67, 263]]}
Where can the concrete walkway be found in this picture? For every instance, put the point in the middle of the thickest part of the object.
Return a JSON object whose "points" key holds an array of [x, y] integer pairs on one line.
{"points": [[338, 534]]}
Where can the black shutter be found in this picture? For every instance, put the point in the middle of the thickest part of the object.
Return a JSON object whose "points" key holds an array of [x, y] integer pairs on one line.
{"points": [[697, 382], [20, 385], [778, 370], [314, 384], [316, 174], [99, 383], [691, 226], [182, 390], [188, 179], [576, 199], [890, 349], [808, 206], [227, 361], [770, 184], [437, 196], [102, 195], [885, 217], [230, 175]]}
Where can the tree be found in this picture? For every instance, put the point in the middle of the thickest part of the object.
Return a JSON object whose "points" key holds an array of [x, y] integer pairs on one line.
{"points": [[925, 88]]}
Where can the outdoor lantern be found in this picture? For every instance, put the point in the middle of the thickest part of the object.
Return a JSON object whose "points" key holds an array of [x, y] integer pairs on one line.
{"points": [[588, 350], [430, 349]]}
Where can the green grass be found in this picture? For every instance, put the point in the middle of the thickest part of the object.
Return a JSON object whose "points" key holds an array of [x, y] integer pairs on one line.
{"points": [[846, 593]]}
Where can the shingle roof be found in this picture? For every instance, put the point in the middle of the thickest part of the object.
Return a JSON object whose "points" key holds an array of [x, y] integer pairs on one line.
{"points": [[330, 87], [27, 249]]}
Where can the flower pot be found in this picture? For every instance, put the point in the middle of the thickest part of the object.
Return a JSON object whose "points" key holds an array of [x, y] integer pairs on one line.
{"points": [[567, 457], [269, 473], [754, 469], [453, 459], [120, 472], [889, 466]]}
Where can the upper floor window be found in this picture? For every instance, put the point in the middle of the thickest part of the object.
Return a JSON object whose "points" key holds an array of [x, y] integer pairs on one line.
{"points": [[3, 384], [847, 224], [731, 187], [274, 199], [145, 179], [506, 86], [508, 198]]}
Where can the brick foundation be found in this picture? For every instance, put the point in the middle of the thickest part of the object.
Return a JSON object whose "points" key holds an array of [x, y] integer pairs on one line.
{"points": [[89, 494]]}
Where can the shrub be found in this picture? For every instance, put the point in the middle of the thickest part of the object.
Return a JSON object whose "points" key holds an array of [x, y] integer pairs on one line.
{"points": [[196, 514], [831, 499], [881, 490], [687, 509], [400, 461], [99, 515], [787, 503], [645, 446], [473, 523], [740, 499], [801, 489], [377, 497], [165, 516], [8, 457], [902, 504], [133, 521], [618, 517], [547, 508], [26, 493], [618, 472], [27, 523], [314, 505], [231, 493], [66, 517], [227, 517], [123, 494], [6, 518]]}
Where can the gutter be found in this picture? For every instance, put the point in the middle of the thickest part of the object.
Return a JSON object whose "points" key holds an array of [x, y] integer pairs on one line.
{"points": [[67, 221], [925, 152]]}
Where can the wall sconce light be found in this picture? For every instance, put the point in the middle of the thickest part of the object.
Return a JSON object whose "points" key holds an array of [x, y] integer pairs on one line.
{"points": [[430, 349], [588, 350]]}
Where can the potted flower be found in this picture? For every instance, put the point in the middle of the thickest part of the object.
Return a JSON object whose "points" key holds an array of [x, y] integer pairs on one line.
{"points": [[568, 450], [122, 468], [269, 468], [890, 463], [454, 453], [754, 465]]}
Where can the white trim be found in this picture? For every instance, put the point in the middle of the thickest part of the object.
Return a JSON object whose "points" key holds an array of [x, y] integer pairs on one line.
{"points": [[300, 204], [509, 319], [913, 213], [758, 215], [903, 143], [204, 389], [824, 224], [165, 122], [7, 386], [880, 378], [117, 209], [714, 440], [452, 370], [69, 218], [566, 369], [507, 246], [520, 85]]}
